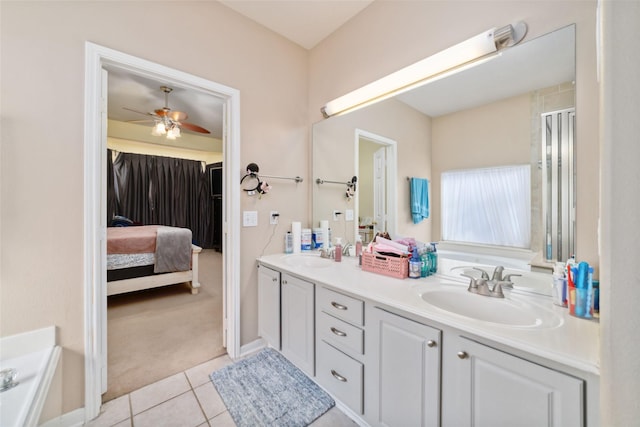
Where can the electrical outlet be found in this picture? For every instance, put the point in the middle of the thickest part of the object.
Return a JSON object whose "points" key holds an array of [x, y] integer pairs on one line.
{"points": [[336, 215], [273, 217]]}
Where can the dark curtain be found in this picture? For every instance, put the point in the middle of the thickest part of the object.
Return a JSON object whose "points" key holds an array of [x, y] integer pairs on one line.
{"points": [[112, 198], [164, 191]]}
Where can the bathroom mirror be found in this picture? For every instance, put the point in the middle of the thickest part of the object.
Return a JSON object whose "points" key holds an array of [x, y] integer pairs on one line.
{"points": [[487, 115]]}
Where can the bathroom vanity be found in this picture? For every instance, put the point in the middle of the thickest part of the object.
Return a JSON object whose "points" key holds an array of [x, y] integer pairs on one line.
{"points": [[427, 352]]}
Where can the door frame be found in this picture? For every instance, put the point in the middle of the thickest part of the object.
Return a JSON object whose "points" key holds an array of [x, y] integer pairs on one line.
{"points": [[391, 175], [97, 59]]}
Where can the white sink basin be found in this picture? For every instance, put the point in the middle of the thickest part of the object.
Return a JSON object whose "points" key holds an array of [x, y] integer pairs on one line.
{"points": [[307, 260], [501, 311]]}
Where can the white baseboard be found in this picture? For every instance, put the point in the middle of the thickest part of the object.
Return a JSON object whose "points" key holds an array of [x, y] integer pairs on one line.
{"points": [[74, 418], [252, 347]]}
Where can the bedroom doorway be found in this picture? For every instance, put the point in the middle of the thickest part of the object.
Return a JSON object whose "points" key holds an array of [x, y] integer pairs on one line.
{"points": [[98, 61]]}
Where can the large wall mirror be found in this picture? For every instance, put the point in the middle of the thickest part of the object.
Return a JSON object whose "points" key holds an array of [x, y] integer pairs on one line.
{"points": [[515, 109]]}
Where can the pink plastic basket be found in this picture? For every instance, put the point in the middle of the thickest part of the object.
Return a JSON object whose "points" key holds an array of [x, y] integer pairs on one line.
{"points": [[386, 265]]}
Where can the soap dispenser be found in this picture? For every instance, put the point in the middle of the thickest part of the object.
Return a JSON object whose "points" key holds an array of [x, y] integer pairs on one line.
{"points": [[337, 255]]}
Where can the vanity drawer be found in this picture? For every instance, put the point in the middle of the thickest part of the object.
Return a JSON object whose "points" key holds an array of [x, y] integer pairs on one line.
{"points": [[339, 333], [341, 306], [341, 375]]}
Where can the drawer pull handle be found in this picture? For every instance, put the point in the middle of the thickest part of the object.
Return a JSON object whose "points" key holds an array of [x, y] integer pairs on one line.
{"points": [[338, 376], [275, 279], [431, 343], [338, 332], [463, 354], [338, 306]]}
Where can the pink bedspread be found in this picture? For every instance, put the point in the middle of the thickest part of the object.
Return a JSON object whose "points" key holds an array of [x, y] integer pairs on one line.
{"points": [[131, 240]]}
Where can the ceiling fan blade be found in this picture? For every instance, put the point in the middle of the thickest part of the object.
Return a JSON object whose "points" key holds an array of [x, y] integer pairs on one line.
{"points": [[193, 128], [176, 116], [139, 112], [141, 121]]}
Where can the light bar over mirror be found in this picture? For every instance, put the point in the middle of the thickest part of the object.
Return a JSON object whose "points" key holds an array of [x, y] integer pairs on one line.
{"points": [[456, 58]]}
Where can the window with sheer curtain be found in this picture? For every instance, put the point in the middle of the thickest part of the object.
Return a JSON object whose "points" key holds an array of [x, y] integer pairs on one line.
{"points": [[490, 206]]}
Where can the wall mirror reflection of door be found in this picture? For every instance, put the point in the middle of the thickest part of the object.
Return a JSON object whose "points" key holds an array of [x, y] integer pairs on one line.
{"points": [[376, 166]]}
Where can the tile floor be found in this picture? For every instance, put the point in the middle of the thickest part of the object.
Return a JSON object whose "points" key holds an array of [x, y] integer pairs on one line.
{"points": [[187, 399]]}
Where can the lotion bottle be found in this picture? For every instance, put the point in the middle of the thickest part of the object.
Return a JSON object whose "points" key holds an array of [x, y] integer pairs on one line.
{"points": [[337, 255]]}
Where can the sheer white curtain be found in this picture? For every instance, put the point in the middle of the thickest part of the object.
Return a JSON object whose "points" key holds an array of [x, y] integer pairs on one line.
{"points": [[487, 206]]}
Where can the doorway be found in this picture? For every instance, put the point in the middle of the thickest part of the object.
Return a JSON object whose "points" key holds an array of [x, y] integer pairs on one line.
{"points": [[97, 60], [376, 166]]}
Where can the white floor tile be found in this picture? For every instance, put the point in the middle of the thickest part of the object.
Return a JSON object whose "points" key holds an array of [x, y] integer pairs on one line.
{"points": [[187, 399], [210, 400], [112, 412], [181, 411], [222, 420], [156, 393], [334, 417], [199, 375]]}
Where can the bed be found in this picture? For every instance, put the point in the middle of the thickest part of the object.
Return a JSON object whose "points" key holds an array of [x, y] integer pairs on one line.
{"points": [[150, 256]]}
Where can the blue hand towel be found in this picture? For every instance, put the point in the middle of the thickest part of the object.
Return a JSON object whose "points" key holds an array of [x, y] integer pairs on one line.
{"points": [[419, 199]]}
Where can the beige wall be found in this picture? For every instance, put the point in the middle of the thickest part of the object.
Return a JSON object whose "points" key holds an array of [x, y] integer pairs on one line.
{"points": [[42, 102]]}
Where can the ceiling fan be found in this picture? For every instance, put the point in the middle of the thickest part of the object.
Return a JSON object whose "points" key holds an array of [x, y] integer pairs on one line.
{"points": [[167, 121]]}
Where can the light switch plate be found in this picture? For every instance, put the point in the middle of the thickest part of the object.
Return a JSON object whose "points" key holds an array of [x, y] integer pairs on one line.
{"points": [[348, 215], [250, 218]]}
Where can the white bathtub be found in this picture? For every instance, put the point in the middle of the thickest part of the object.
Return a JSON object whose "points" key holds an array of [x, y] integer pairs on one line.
{"points": [[35, 355]]}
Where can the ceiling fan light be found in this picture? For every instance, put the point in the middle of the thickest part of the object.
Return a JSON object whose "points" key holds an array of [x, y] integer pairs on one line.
{"points": [[173, 133], [159, 129]]}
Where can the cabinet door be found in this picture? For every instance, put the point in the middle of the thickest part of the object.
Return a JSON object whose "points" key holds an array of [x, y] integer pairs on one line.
{"points": [[269, 306], [297, 322], [402, 388], [485, 387]]}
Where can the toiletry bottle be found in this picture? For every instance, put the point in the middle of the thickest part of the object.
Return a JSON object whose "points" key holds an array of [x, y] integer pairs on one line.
{"points": [[581, 284], [359, 249], [558, 285], [426, 261], [288, 243], [433, 268], [338, 250], [415, 265]]}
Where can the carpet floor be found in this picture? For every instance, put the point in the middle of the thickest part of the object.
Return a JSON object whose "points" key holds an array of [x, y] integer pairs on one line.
{"points": [[156, 333]]}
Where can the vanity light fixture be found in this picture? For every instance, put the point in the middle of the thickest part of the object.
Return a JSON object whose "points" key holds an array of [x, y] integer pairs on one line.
{"points": [[463, 55]]}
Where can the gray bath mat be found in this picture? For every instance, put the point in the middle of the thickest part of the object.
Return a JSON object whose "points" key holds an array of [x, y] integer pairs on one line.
{"points": [[268, 390]]}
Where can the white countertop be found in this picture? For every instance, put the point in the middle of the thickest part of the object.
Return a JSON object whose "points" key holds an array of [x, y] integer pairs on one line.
{"points": [[574, 342]]}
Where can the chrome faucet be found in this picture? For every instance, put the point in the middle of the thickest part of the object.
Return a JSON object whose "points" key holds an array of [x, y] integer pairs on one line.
{"points": [[345, 249], [327, 252], [481, 286], [497, 274]]}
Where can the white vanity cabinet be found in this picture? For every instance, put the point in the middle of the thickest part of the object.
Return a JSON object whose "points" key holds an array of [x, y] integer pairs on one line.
{"points": [[269, 306], [286, 316], [486, 387], [403, 371], [340, 346], [297, 322]]}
